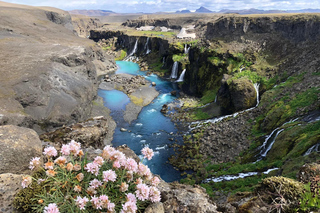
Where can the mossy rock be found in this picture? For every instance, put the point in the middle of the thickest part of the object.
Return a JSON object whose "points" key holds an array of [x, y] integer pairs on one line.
{"points": [[271, 187]]}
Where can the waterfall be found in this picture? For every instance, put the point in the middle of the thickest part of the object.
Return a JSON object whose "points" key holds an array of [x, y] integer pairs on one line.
{"points": [[215, 100], [181, 78], [146, 46], [174, 71], [186, 49], [215, 120], [234, 177], [134, 48], [269, 141], [314, 148]]}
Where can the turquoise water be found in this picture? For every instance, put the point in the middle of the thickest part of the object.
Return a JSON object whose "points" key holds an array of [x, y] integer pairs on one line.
{"points": [[151, 129]]}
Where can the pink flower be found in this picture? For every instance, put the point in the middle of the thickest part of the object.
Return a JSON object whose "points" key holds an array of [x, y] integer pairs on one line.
{"points": [[131, 165], [142, 192], [93, 168], [96, 202], [60, 161], [116, 164], [147, 153], [109, 175], [129, 207], [144, 171], [154, 194], [138, 181], [104, 200], [34, 163], [124, 187], [65, 149], [107, 152], [118, 156], [75, 147], [26, 181], [81, 202], [51, 208], [98, 160], [95, 183], [155, 181], [50, 151], [111, 206], [131, 197]]}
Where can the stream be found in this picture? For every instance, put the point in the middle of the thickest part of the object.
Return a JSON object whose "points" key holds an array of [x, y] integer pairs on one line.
{"points": [[151, 129]]}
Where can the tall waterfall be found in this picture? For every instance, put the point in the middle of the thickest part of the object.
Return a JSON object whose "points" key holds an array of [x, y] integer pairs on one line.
{"points": [[134, 48], [174, 72], [181, 78], [146, 46], [197, 124], [186, 49]]}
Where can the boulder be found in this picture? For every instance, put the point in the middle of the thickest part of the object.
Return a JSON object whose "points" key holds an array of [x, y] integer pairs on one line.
{"points": [[153, 84], [91, 132], [17, 147], [155, 208], [177, 197], [308, 172], [236, 94], [10, 184]]}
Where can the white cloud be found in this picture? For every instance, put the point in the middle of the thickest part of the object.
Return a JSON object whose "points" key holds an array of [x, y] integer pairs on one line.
{"points": [[170, 5]]}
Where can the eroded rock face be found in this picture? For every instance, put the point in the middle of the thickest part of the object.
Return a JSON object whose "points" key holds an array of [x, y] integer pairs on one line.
{"points": [[185, 198], [49, 77], [17, 147], [236, 94]]}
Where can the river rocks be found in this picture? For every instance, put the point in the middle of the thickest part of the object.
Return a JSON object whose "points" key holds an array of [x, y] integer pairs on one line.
{"points": [[185, 198], [18, 146], [164, 109], [91, 132], [123, 130], [236, 94], [153, 84]]}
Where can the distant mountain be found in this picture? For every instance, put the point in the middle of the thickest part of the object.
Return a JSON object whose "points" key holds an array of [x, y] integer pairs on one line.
{"points": [[183, 11], [304, 11], [251, 11], [92, 12], [203, 10]]}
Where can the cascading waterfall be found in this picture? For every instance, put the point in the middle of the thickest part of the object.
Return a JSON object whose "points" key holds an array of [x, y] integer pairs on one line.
{"points": [[269, 141], [215, 100], [314, 148], [186, 49], [146, 46], [197, 124], [134, 48], [181, 78], [234, 177], [174, 72]]}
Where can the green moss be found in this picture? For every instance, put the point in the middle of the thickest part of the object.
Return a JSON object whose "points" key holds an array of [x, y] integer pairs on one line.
{"points": [[123, 54], [137, 101]]}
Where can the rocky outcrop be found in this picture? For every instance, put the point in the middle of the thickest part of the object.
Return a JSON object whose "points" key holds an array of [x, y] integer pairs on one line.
{"points": [[49, 75], [18, 145], [236, 94], [84, 24], [185, 198], [92, 132]]}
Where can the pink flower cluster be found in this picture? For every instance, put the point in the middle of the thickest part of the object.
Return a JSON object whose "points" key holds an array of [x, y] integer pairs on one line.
{"points": [[109, 175], [71, 148], [50, 151], [34, 163], [81, 202], [145, 192], [51, 208], [147, 153]]}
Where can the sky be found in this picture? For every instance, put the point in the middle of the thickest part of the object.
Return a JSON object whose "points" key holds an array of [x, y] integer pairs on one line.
{"points": [[151, 6]]}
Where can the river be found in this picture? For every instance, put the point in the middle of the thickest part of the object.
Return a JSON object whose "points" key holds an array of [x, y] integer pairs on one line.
{"points": [[151, 129]]}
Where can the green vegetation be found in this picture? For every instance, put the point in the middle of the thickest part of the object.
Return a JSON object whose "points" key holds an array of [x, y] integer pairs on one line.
{"points": [[123, 54], [253, 76], [133, 32]]}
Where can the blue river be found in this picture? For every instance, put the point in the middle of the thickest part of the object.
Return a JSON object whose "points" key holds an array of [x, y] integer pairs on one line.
{"points": [[151, 129]]}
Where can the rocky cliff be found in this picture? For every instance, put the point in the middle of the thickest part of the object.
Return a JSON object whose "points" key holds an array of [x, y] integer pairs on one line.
{"points": [[48, 74]]}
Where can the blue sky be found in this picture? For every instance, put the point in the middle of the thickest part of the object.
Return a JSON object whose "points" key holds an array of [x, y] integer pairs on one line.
{"points": [[133, 6]]}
